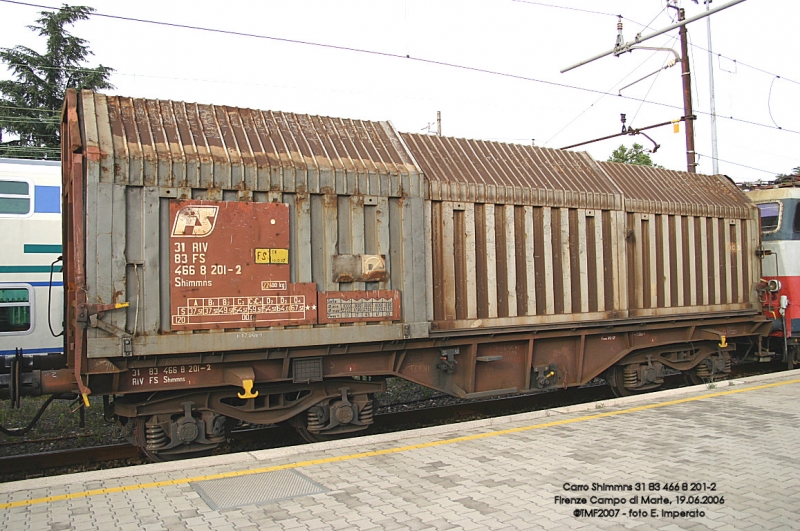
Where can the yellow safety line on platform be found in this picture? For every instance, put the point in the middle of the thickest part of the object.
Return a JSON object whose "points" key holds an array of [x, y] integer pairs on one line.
{"points": [[301, 464]]}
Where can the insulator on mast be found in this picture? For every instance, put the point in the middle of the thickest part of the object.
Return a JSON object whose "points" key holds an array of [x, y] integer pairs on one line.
{"points": [[620, 40]]}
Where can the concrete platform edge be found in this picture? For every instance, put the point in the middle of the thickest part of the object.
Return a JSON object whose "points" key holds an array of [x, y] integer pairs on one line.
{"points": [[266, 455]]}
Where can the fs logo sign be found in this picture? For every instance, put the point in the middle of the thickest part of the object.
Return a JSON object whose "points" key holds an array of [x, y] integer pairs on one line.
{"points": [[195, 221]]}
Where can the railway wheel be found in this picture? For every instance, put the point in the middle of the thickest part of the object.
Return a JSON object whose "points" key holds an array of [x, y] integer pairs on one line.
{"points": [[692, 378], [315, 437], [615, 376], [173, 437], [173, 454], [716, 367], [336, 419]]}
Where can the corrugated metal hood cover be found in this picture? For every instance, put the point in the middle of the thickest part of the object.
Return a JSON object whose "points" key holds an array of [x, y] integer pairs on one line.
{"points": [[510, 173], [478, 170], [236, 141], [662, 191]]}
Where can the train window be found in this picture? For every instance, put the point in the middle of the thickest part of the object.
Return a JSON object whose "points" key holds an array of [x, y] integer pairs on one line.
{"points": [[796, 222], [15, 198], [15, 309], [770, 214]]}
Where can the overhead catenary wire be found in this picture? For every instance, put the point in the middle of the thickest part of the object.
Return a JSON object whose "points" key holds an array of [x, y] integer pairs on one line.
{"points": [[595, 102], [28, 4], [400, 56], [566, 7], [486, 71], [581, 10], [741, 165], [38, 110], [653, 84], [648, 26], [28, 120], [769, 102], [736, 61]]}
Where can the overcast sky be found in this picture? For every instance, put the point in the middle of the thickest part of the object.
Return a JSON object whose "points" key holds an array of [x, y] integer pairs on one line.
{"points": [[532, 40]]}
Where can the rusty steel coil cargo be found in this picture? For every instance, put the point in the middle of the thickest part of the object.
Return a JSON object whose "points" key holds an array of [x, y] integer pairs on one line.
{"points": [[225, 264]]}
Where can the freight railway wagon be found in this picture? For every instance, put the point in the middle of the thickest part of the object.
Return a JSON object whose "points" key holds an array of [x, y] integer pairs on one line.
{"points": [[778, 203], [225, 265]]}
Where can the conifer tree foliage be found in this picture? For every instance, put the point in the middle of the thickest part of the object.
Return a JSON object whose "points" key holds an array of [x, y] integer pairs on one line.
{"points": [[30, 105]]}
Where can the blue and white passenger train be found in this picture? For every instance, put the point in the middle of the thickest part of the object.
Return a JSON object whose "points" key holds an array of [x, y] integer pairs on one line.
{"points": [[31, 286]]}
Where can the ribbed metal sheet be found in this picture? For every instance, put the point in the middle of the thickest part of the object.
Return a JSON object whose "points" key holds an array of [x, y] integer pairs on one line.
{"points": [[474, 233], [525, 235], [660, 191], [350, 186], [494, 172], [176, 144], [227, 493]]}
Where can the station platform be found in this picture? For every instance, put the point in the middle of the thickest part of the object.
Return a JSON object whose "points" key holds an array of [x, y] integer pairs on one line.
{"points": [[718, 457]]}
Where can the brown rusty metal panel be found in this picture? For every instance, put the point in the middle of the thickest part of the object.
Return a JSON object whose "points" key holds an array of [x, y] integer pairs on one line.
{"points": [[715, 269], [146, 143], [501, 260], [607, 270], [586, 291], [722, 256], [661, 262], [448, 262], [676, 262], [162, 112], [559, 270], [552, 260], [151, 379], [748, 275], [185, 143], [230, 267], [201, 144], [162, 174], [461, 280], [538, 259], [576, 236], [734, 244], [702, 250], [135, 155], [619, 260], [481, 265], [501, 365], [521, 251], [687, 263], [358, 306], [238, 149]]}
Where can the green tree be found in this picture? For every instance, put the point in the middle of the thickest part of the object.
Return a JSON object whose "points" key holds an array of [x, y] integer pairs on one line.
{"points": [[30, 106], [795, 173], [634, 155]]}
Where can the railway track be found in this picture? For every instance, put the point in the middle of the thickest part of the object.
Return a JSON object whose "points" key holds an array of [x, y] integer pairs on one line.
{"points": [[264, 437]]}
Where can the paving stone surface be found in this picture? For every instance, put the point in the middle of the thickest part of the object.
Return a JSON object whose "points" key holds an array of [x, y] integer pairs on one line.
{"points": [[673, 460]]}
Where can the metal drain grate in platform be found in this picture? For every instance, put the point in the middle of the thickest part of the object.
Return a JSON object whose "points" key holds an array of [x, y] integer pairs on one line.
{"points": [[227, 493]]}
